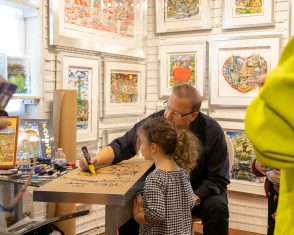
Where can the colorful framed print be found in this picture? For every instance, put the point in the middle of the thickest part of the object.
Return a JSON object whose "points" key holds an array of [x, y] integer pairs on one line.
{"points": [[243, 151], [124, 92], [17, 70], [8, 143], [35, 137], [247, 13], [82, 74], [182, 15], [117, 26], [182, 62], [236, 64]]}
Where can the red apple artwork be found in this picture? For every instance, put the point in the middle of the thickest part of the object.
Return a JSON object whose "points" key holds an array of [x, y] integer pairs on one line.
{"points": [[181, 73]]}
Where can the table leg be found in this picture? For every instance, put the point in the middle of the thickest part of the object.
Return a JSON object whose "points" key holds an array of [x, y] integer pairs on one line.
{"points": [[18, 209], [111, 225], [116, 216]]}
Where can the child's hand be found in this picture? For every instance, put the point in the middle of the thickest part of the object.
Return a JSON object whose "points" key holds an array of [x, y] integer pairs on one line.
{"points": [[138, 211]]}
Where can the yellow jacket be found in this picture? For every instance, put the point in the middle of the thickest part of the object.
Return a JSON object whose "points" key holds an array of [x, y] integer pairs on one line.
{"points": [[269, 125]]}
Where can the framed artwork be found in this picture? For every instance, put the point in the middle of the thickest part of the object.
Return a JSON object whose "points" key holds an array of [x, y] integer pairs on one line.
{"points": [[182, 62], [124, 92], [182, 15], [82, 74], [116, 26], [110, 135], [236, 64], [247, 13], [17, 70], [8, 143], [243, 151], [35, 137]]}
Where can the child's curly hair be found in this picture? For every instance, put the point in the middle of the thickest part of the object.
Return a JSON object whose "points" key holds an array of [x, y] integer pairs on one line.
{"points": [[181, 144]]}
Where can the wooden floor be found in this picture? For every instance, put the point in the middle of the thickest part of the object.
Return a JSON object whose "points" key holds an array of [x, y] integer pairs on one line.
{"points": [[198, 231]]}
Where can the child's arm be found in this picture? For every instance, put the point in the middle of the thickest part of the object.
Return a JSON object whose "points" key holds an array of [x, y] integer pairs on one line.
{"points": [[154, 200]]}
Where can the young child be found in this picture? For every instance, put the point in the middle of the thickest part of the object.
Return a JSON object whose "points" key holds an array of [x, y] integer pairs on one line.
{"points": [[165, 206]]}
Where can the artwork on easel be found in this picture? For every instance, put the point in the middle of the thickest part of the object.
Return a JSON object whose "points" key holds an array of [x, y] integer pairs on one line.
{"points": [[35, 138], [8, 143]]}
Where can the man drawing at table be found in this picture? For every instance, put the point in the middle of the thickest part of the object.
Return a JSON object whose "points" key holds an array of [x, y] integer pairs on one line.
{"points": [[209, 179]]}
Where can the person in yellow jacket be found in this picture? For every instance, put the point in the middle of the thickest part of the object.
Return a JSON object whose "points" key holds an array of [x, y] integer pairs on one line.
{"points": [[269, 125]]}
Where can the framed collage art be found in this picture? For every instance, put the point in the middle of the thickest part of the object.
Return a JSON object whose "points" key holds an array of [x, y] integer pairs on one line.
{"points": [[124, 84], [243, 154], [82, 74], [8, 143], [182, 62], [175, 15], [236, 63], [117, 27], [247, 13]]}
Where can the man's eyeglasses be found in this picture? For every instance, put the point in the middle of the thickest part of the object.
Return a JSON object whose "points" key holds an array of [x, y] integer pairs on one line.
{"points": [[175, 113]]}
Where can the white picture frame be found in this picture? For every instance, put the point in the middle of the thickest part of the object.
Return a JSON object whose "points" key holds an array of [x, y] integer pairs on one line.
{"points": [[89, 27], [240, 16], [124, 87], [112, 134], [235, 130], [84, 72], [186, 60], [198, 17], [229, 60]]}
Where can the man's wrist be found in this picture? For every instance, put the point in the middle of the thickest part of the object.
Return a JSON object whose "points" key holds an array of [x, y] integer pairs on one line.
{"points": [[197, 200]]}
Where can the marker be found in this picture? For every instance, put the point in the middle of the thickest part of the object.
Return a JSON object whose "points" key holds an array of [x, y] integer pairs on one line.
{"points": [[44, 176], [88, 159]]}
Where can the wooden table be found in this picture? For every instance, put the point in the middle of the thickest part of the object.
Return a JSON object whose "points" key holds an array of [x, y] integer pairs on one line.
{"points": [[113, 186]]}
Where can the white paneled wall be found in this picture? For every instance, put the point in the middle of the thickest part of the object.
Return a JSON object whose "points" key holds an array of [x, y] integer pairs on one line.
{"points": [[248, 204]]}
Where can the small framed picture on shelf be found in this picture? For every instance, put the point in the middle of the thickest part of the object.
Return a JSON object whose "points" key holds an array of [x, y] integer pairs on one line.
{"points": [[182, 62], [17, 70], [8, 143], [175, 16], [236, 63], [82, 74], [247, 13], [124, 88]]}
